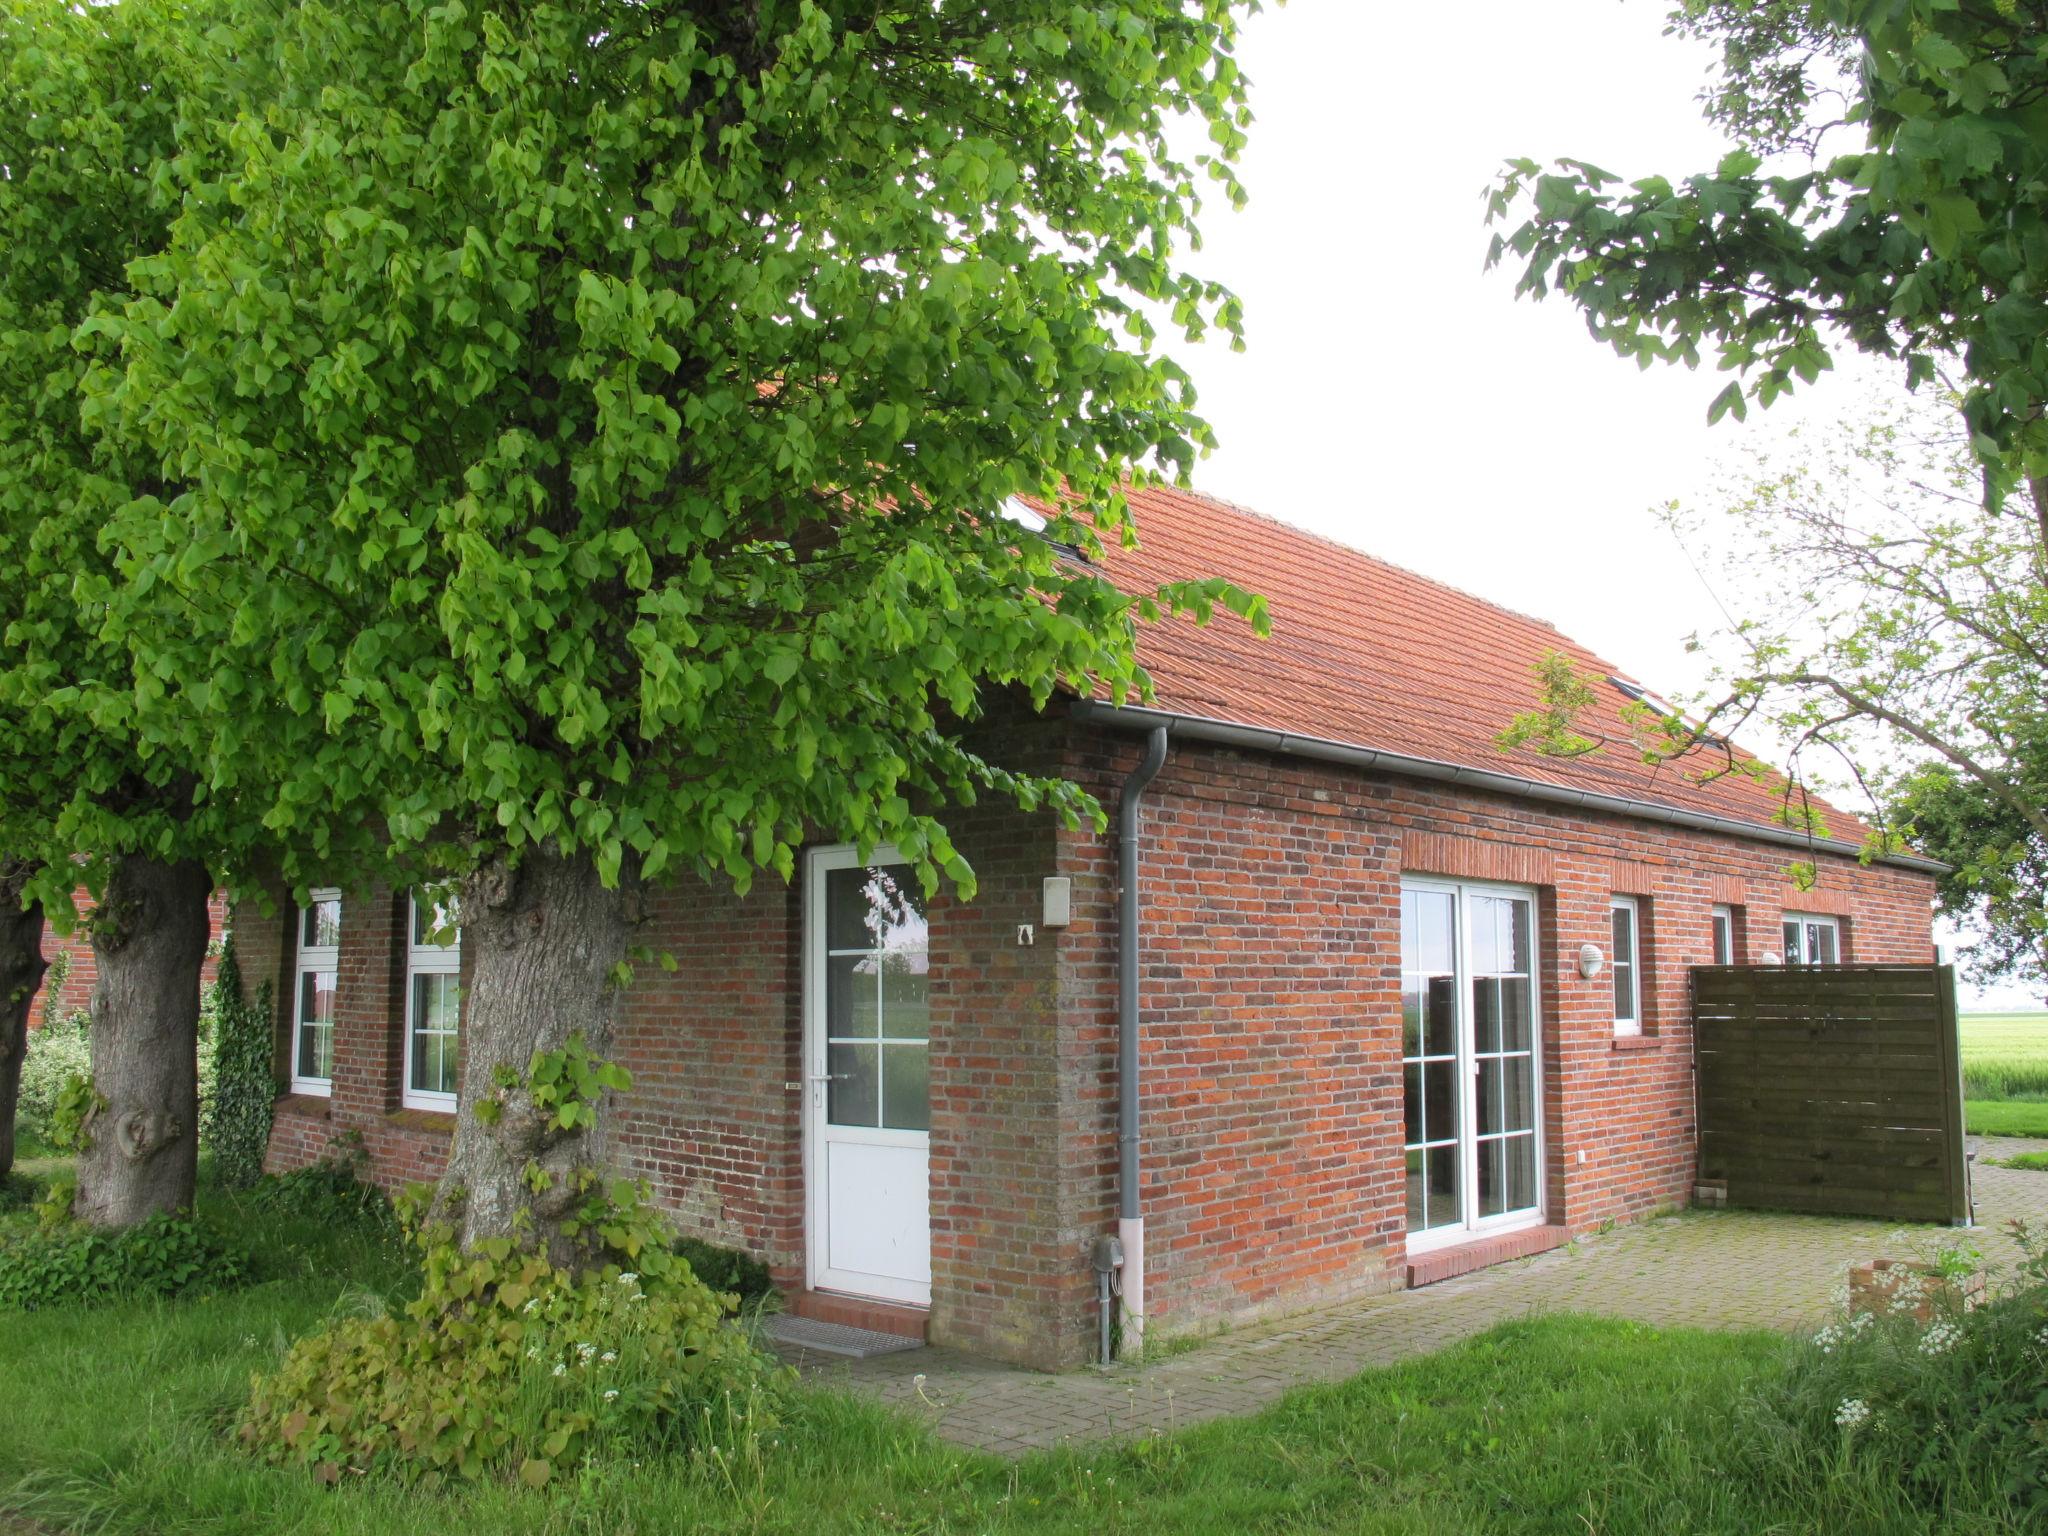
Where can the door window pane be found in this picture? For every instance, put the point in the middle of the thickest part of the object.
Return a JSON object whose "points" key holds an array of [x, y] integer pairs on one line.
{"points": [[906, 1087], [1521, 1172], [1440, 1016], [1486, 1013], [1442, 1187], [906, 996], [1517, 1013], [853, 1002], [1439, 1100], [855, 1097]]}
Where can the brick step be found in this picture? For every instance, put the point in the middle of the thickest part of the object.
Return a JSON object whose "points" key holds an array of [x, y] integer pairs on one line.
{"points": [[860, 1312], [1462, 1258]]}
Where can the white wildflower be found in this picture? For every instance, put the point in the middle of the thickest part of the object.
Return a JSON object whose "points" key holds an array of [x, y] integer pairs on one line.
{"points": [[2041, 1337], [609, 1357], [585, 1352], [1852, 1412], [1862, 1322], [533, 1352], [612, 1395], [627, 1277], [533, 1305], [1826, 1340], [1940, 1339], [560, 1368]]}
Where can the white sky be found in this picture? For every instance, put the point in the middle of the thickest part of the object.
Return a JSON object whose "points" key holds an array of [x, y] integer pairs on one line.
{"points": [[1395, 395]]}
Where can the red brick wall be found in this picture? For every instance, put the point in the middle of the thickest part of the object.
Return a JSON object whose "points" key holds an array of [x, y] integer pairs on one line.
{"points": [[403, 1145], [1273, 1090], [81, 971]]}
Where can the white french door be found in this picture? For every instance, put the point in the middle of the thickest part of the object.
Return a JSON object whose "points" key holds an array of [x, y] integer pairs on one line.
{"points": [[1471, 1057], [867, 1077]]}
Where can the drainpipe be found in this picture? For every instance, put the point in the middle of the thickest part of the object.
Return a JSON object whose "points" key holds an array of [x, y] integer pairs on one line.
{"points": [[1130, 1225]]}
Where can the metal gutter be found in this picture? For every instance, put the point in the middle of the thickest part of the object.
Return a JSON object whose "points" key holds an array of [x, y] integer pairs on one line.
{"points": [[1125, 717]]}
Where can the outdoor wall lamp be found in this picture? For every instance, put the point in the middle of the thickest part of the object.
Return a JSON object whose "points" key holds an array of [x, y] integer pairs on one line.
{"points": [[1591, 961]]}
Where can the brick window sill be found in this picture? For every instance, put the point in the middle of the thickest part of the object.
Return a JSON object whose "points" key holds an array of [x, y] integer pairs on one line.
{"points": [[304, 1106], [1638, 1042], [437, 1120]]}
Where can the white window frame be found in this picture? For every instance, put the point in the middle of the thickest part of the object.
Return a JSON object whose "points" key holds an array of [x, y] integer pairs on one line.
{"points": [[1723, 925], [313, 959], [1633, 1024], [1472, 1226], [1809, 923], [424, 960]]}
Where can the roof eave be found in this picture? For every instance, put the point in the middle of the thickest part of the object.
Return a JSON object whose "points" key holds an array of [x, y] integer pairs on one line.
{"points": [[1232, 733]]}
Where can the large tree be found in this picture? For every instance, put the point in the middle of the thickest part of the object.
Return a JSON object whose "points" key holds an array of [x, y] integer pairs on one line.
{"points": [[602, 417], [1912, 224], [107, 777]]}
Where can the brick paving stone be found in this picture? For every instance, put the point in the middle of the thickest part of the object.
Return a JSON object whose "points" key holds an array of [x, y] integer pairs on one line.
{"points": [[1705, 1269]]}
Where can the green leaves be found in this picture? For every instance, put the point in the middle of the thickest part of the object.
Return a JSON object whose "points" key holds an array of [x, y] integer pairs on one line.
{"points": [[1931, 240]]}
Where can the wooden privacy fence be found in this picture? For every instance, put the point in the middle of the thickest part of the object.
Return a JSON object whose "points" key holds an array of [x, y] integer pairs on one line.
{"points": [[1831, 1088]]}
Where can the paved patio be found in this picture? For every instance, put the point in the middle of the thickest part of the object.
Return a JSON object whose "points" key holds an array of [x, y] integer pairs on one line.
{"points": [[1703, 1269]]}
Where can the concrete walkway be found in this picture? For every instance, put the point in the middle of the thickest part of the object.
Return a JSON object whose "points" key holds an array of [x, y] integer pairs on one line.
{"points": [[1704, 1269]]}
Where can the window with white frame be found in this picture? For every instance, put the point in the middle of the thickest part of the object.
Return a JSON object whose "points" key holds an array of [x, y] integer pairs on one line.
{"points": [[313, 1007], [1625, 962], [433, 964], [1724, 935], [1812, 939]]}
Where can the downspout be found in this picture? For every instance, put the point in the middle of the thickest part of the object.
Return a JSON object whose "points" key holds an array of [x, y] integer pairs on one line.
{"points": [[1130, 1225]]}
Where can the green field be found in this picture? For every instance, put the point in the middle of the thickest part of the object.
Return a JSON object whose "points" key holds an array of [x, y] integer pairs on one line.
{"points": [[2005, 1073]]}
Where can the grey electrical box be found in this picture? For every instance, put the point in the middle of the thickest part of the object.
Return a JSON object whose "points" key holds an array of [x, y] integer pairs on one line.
{"points": [[1059, 902]]}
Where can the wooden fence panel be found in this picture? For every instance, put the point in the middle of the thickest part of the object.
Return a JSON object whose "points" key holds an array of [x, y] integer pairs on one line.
{"points": [[1832, 1088]]}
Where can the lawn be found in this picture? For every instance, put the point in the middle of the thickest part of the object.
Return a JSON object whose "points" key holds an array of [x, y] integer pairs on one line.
{"points": [[116, 1420], [2005, 1073]]}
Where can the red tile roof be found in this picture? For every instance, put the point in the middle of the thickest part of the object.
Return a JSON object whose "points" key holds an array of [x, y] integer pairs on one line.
{"points": [[1370, 655]]}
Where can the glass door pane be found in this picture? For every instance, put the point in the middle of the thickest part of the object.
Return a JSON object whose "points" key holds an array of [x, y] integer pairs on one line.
{"points": [[877, 1004], [1430, 1033], [1503, 1053]]}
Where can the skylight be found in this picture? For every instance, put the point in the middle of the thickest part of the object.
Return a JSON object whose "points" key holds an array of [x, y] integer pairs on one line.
{"points": [[1023, 516]]}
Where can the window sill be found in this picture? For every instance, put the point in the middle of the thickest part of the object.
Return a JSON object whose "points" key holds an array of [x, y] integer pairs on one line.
{"points": [[307, 1106], [1638, 1042], [440, 1120]]}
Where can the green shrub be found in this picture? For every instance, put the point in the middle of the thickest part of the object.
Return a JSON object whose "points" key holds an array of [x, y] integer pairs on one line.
{"points": [[726, 1270], [332, 1190], [509, 1365], [1950, 1413], [2005, 1078], [58, 1052], [65, 1264], [236, 1110]]}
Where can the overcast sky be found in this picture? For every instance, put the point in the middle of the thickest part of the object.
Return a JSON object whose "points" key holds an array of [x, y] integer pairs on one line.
{"points": [[1394, 394]]}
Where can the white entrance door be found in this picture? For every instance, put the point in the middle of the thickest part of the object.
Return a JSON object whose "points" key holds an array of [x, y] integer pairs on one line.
{"points": [[867, 1067], [1471, 1048]]}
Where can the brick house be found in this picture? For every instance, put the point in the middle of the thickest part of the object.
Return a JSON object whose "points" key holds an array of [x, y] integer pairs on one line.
{"points": [[1403, 1004]]}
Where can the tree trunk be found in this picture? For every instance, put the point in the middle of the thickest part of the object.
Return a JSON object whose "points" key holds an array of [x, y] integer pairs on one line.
{"points": [[21, 973], [541, 942], [142, 1136]]}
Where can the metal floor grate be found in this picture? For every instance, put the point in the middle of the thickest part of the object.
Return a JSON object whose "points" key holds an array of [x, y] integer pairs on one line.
{"points": [[813, 1337]]}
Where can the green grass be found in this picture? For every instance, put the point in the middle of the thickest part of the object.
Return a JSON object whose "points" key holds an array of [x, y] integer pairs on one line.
{"points": [[2005, 1073], [2005, 1117], [2036, 1162], [117, 1420]]}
